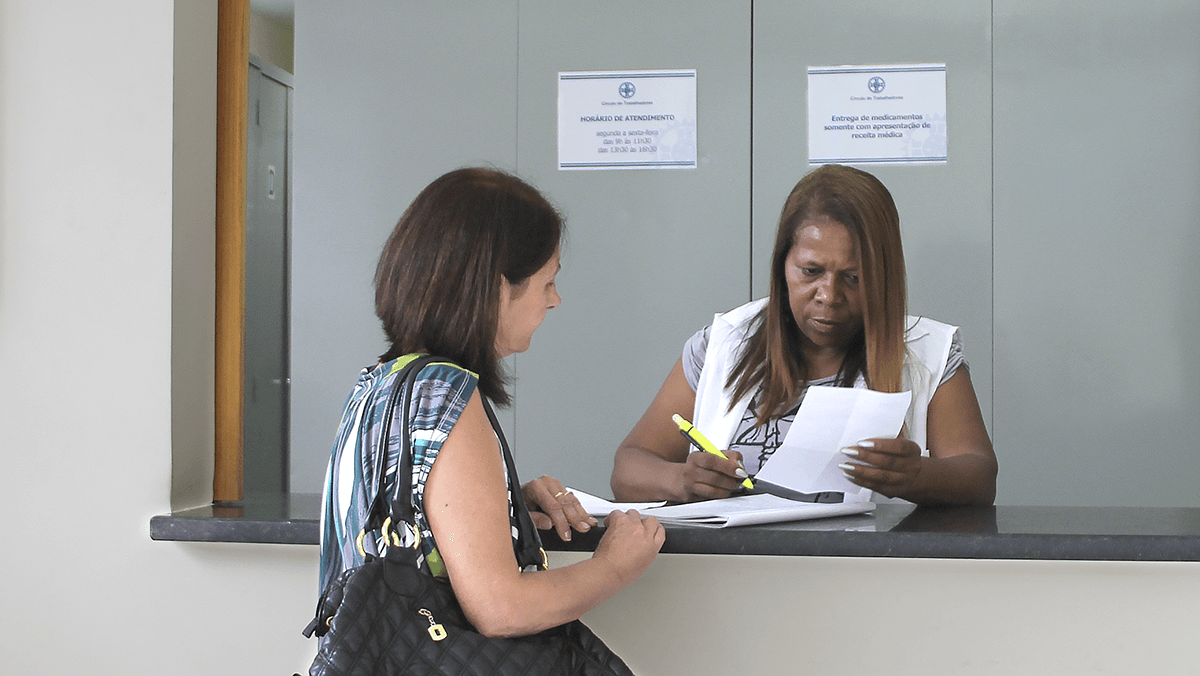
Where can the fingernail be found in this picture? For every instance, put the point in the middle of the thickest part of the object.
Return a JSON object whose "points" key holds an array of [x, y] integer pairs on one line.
{"points": [[845, 467], [741, 465], [850, 452], [742, 473], [583, 527], [867, 444], [566, 536]]}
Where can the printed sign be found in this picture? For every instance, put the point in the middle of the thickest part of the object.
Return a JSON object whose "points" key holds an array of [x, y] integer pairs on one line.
{"points": [[877, 114], [627, 120]]}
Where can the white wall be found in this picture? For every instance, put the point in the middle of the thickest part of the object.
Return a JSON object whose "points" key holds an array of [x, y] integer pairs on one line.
{"points": [[86, 352], [90, 326], [193, 254]]}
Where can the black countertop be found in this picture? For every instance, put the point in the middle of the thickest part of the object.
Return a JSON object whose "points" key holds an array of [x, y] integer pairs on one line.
{"points": [[1062, 533]]}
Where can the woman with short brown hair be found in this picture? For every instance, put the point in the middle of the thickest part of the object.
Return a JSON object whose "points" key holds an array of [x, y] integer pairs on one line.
{"points": [[468, 275]]}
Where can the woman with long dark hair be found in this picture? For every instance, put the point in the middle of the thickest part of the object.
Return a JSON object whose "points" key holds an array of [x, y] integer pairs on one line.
{"points": [[836, 315]]}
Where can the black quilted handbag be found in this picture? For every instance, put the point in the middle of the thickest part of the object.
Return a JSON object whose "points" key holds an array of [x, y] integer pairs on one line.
{"points": [[389, 617]]}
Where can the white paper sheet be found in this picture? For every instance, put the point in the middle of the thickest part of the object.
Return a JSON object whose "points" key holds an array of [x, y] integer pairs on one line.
{"points": [[830, 419], [742, 510], [601, 507], [748, 510]]}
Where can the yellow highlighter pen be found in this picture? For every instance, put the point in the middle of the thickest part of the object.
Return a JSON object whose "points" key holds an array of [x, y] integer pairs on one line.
{"points": [[689, 431]]}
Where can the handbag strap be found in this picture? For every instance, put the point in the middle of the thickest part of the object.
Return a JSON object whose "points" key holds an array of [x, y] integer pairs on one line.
{"points": [[404, 381], [530, 553]]}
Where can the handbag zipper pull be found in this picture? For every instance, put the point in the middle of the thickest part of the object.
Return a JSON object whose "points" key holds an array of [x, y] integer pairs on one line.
{"points": [[436, 631]]}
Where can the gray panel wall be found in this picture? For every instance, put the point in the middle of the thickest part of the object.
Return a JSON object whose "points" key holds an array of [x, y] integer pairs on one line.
{"points": [[389, 96], [1097, 215], [1072, 118], [945, 210], [651, 254]]}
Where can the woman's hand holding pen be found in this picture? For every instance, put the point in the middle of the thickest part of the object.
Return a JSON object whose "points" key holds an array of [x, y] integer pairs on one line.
{"points": [[551, 506], [630, 543], [887, 466], [705, 476]]}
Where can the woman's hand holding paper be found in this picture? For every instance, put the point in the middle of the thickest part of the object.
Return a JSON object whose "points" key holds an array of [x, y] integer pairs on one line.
{"points": [[887, 466], [551, 505]]}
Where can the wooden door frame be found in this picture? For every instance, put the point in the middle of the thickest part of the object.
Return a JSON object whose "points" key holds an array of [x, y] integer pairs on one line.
{"points": [[233, 58]]}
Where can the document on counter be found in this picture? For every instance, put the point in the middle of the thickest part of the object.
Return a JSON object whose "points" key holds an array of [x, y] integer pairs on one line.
{"points": [[741, 510], [748, 510], [830, 419], [601, 507]]}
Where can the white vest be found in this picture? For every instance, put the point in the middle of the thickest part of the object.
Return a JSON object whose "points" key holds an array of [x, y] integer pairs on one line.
{"points": [[926, 343]]}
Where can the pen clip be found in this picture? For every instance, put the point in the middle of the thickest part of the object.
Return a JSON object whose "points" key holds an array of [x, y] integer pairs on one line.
{"points": [[692, 442]]}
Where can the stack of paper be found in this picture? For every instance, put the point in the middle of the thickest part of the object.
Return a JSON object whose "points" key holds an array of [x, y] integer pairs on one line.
{"points": [[829, 419], [601, 507], [743, 510]]}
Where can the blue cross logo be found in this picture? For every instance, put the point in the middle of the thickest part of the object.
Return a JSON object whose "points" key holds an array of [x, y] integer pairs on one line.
{"points": [[876, 84], [626, 89]]}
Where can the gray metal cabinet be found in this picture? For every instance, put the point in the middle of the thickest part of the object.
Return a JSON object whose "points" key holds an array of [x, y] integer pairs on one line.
{"points": [[267, 263]]}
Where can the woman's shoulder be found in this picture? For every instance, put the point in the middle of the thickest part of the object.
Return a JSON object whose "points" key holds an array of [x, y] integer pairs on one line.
{"points": [[445, 370], [742, 313], [935, 343], [439, 379], [694, 352], [437, 386], [918, 327]]}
